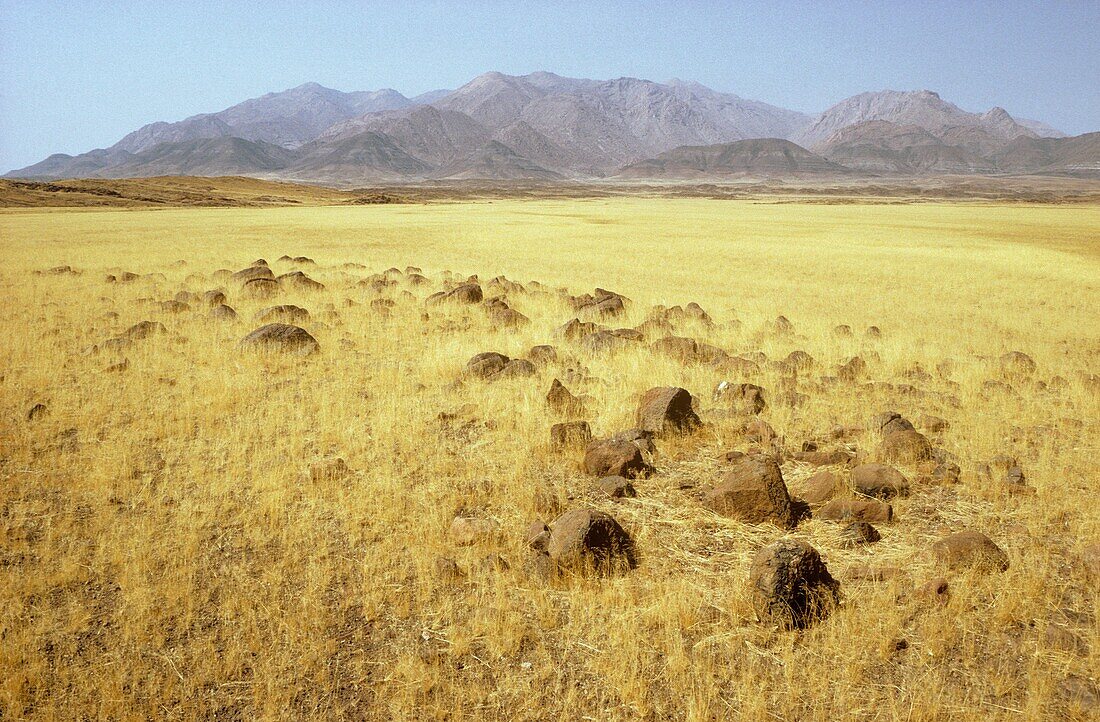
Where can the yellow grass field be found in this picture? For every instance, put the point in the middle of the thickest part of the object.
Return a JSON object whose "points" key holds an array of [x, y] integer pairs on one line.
{"points": [[165, 552]]}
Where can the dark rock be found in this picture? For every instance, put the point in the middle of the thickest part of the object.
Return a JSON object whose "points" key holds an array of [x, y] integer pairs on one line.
{"points": [[888, 422], [260, 288], [543, 355], [561, 401], [879, 481], [616, 487], [37, 411], [753, 491], [280, 338], [570, 435], [284, 314], [820, 488], [486, 365], [741, 398], [858, 533], [905, 447], [590, 541], [667, 410], [791, 586], [223, 313], [970, 549], [610, 457], [252, 273], [299, 282]]}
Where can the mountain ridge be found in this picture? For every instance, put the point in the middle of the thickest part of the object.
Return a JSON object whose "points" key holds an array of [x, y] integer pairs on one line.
{"points": [[542, 126]]}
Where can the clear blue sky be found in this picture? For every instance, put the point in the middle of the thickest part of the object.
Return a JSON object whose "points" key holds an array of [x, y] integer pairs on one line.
{"points": [[79, 75]]}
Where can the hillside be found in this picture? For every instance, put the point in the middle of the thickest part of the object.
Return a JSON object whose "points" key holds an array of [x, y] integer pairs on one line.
{"points": [[762, 157]]}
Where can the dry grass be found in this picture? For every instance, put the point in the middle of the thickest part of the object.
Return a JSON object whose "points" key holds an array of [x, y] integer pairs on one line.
{"points": [[167, 559]]}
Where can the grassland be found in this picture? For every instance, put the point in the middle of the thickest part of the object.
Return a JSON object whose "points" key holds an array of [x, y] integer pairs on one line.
{"points": [[165, 553]]}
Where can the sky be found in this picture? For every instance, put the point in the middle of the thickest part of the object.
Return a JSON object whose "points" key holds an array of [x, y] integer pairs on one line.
{"points": [[80, 75]]}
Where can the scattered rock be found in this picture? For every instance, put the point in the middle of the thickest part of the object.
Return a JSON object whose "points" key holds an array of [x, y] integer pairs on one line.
{"points": [[467, 531], [617, 487], [970, 549], [791, 586], [905, 447], [570, 435], [213, 299], [543, 355], [667, 410], [741, 398], [253, 273], [612, 457], [286, 314], [223, 313], [486, 365], [935, 590], [855, 510], [888, 422], [561, 401], [753, 492], [858, 533], [590, 541], [517, 368], [879, 481], [280, 338], [820, 488], [299, 282], [260, 288]]}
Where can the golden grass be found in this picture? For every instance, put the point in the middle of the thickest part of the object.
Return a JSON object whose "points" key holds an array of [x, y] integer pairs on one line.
{"points": [[168, 559]]}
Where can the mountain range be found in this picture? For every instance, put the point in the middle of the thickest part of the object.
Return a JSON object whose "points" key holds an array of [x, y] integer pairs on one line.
{"points": [[544, 126]]}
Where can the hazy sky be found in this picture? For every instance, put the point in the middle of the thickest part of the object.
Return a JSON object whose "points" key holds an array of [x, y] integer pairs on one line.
{"points": [[80, 75]]}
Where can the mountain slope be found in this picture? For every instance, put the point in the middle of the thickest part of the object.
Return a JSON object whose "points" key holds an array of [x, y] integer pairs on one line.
{"points": [[363, 157], [757, 157], [288, 118], [608, 123], [922, 108], [879, 146], [495, 161], [1076, 156], [433, 135], [203, 156]]}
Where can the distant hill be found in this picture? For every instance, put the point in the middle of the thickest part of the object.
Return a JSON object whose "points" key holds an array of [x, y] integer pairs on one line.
{"points": [[882, 147], [1076, 156], [759, 157], [544, 126]]}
